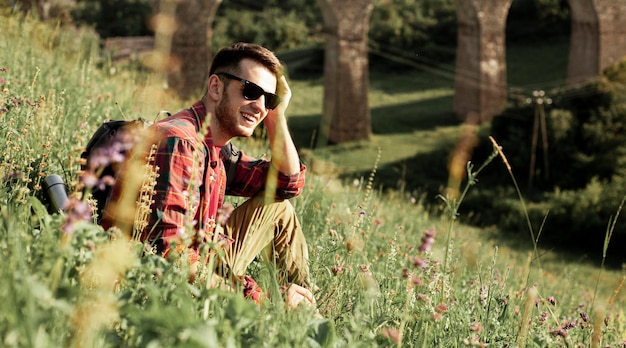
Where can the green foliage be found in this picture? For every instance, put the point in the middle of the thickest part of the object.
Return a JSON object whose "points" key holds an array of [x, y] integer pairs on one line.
{"points": [[114, 17], [414, 24], [414, 29], [532, 20], [579, 188], [232, 25]]}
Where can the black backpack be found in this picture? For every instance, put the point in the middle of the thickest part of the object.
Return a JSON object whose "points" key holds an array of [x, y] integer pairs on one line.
{"points": [[104, 135]]}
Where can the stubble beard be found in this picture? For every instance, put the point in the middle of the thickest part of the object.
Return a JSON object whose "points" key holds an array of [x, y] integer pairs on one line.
{"points": [[227, 118]]}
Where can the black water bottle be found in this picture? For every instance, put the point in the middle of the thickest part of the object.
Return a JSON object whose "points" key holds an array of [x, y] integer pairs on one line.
{"points": [[56, 193]]}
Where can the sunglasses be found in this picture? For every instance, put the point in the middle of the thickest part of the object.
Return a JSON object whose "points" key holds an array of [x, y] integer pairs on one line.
{"points": [[252, 91]]}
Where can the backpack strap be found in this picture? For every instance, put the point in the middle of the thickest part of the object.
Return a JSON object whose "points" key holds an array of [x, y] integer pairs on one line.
{"points": [[230, 155]]}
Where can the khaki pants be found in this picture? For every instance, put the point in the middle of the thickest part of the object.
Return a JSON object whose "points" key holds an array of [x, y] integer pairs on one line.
{"points": [[270, 229]]}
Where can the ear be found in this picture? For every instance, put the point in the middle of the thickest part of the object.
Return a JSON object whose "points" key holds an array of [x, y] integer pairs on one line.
{"points": [[215, 88]]}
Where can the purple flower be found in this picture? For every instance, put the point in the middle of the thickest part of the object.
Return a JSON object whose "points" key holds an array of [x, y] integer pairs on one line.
{"points": [[419, 262], [113, 151], [427, 241], [77, 210]]}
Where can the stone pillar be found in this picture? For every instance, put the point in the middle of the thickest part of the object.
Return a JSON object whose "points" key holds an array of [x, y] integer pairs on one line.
{"points": [[480, 82], [598, 37], [346, 114], [191, 46], [190, 55]]}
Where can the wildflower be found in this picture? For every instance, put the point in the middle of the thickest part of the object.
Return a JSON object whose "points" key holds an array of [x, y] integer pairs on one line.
{"points": [[77, 210], [224, 212], [405, 273], [559, 332], [483, 294], [543, 317], [441, 308], [224, 240], [584, 317], [332, 232], [338, 268], [569, 325], [476, 326], [350, 246], [474, 341], [551, 300], [392, 334], [417, 281], [427, 241], [419, 262], [423, 297]]}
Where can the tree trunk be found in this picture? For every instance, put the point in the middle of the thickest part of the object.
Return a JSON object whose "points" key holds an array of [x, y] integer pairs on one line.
{"points": [[190, 57], [346, 114]]}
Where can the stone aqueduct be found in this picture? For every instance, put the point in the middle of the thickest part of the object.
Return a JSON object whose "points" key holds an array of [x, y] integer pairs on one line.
{"points": [[598, 39]]}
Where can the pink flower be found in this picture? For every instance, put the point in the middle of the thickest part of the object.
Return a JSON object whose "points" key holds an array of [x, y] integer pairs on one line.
{"points": [[338, 268], [223, 213], [441, 308], [427, 241], [392, 334], [419, 262]]}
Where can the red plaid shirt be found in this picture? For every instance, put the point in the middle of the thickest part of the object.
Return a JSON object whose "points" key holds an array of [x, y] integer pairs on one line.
{"points": [[192, 180]]}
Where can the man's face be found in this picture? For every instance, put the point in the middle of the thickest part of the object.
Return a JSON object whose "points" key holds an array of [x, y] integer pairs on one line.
{"points": [[236, 115]]}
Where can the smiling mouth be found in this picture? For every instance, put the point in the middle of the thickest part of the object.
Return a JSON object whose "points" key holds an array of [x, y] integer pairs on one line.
{"points": [[249, 118]]}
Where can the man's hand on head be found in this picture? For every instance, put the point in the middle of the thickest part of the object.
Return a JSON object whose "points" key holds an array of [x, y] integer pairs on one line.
{"points": [[284, 92]]}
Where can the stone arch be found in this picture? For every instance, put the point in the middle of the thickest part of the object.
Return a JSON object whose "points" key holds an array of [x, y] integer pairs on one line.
{"points": [[598, 39]]}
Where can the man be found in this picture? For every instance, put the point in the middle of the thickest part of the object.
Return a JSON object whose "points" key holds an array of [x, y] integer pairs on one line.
{"points": [[245, 87]]}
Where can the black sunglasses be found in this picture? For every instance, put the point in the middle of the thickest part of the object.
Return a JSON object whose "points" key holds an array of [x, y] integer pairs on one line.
{"points": [[252, 91]]}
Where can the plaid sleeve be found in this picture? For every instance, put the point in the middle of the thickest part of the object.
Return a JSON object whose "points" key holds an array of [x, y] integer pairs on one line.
{"points": [[252, 174]]}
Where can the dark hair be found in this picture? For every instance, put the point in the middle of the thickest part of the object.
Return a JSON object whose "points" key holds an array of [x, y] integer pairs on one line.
{"points": [[229, 58]]}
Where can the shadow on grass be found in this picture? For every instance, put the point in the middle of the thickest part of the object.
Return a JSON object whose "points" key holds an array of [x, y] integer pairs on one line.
{"points": [[423, 115]]}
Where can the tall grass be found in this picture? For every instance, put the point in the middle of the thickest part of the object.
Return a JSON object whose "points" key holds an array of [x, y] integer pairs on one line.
{"points": [[384, 276]]}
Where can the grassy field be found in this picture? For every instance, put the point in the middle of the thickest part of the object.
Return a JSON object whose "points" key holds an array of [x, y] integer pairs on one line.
{"points": [[391, 271]]}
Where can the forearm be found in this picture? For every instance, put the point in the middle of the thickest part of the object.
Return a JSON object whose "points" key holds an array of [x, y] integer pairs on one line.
{"points": [[285, 156]]}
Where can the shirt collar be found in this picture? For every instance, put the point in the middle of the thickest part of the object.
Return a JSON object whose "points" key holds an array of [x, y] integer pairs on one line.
{"points": [[199, 110]]}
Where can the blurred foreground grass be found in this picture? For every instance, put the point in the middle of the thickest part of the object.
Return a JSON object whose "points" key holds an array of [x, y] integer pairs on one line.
{"points": [[377, 287]]}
